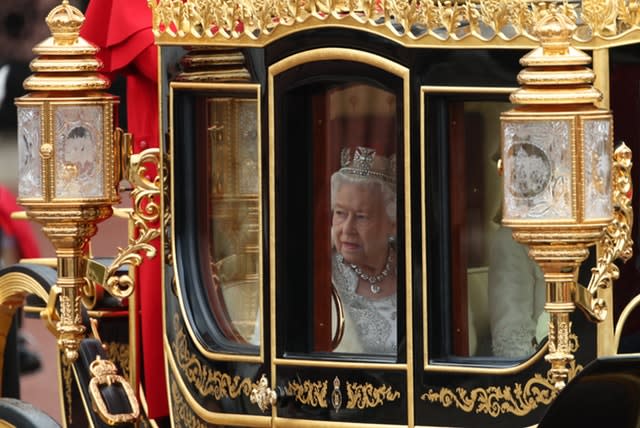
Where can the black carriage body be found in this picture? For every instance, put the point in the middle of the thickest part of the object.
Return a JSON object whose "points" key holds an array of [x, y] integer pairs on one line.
{"points": [[442, 105]]}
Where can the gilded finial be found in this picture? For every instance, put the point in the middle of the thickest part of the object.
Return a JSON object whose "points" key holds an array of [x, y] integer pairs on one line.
{"points": [[65, 21], [66, 61], [555, 31]]}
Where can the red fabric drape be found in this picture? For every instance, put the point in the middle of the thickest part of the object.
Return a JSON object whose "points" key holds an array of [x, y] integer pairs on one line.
{"points": [[122, 31]]}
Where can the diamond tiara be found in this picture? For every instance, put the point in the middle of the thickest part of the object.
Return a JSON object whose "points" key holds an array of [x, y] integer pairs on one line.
{"points": [[365, 163]]}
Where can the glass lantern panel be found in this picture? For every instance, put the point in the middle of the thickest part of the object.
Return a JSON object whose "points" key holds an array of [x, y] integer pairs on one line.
{"points": [[597, 169], [537, 170], [29, 168], [78, 131]]}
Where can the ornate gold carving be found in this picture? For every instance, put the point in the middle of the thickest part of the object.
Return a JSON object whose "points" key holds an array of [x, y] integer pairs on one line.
{"points": [[483, 20], [182, 412], [367, 396], [628, 13], [208, 382], [263, 395], [145, 216], [494, 401], [601, 15], [309, 393], [616, 241], [104, 372]]}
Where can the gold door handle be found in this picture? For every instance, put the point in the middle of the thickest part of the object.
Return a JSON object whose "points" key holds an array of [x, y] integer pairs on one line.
{"points": [[339, 333], [262, 395]]}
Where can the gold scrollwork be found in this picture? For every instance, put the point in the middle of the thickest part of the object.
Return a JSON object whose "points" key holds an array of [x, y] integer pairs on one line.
{"points": [[185, 417], [616, 242], [145, 217], [484, 20], [309, 393], [207, 381], [367, 396], [494, 401]]}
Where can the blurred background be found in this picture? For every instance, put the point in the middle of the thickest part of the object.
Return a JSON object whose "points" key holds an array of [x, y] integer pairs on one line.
{"points": [[22, 26]]}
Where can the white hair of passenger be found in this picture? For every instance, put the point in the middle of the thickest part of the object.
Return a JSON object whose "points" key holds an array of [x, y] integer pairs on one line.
{"points": [[387, 190]]}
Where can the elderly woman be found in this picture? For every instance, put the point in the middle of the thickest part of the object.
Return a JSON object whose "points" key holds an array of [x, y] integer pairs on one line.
{"points": [[363, 230]]}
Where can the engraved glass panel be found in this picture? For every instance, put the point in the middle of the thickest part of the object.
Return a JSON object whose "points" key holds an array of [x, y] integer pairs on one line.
{"points": [[537, 169], [597, 169], [29, 167], [234, 215], [78, 133]]}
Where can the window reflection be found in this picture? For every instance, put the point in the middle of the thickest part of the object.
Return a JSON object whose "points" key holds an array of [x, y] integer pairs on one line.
{"points": [[234, 183], [363, 199]]}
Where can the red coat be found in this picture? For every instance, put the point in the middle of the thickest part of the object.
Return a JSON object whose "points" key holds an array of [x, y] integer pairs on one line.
{"points": [[19, 231], [122, 31]]}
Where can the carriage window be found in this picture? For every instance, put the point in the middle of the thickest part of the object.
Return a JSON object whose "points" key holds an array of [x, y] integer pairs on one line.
{"points": [[233, 212], [497, 290], [338, 191], [363, 203]]}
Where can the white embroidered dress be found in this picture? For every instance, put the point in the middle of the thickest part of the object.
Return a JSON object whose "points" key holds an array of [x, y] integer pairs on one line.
{"points": [[516, 297], [370, 324]]}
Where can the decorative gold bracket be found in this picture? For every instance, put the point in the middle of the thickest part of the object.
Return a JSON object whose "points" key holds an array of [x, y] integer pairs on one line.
{"points": [[616, 243], [104, 372], [144, 216]]}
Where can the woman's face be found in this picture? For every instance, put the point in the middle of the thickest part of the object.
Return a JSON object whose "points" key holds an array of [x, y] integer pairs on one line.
{"points": [[361, 227]]}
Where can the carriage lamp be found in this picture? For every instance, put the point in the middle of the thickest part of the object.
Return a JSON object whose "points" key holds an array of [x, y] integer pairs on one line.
{"points": [[560, 179], [68, 156]]}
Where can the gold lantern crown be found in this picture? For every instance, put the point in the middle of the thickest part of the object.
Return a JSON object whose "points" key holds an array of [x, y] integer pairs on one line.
{"points": [[66, 61], [556, 72]]}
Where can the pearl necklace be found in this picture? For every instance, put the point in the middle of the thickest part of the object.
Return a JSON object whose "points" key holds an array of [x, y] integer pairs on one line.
{"points": [[373, 280]]}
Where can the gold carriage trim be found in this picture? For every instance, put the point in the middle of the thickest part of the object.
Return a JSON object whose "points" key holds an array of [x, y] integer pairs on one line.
{"points": [[309, 393], [414, 22], [495, 401], [367, 396], [208, 382], [182, 412]]}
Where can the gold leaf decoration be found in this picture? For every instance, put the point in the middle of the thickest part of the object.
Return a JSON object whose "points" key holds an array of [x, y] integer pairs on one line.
{"points": [[629, 13], [367, 396], [183, 414], [484, 20], [495, 401], [600, 16], [208, 382], [309, 393]]}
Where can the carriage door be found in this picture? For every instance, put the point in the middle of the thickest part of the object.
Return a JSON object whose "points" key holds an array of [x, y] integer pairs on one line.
{"points": [[339, 239]]}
